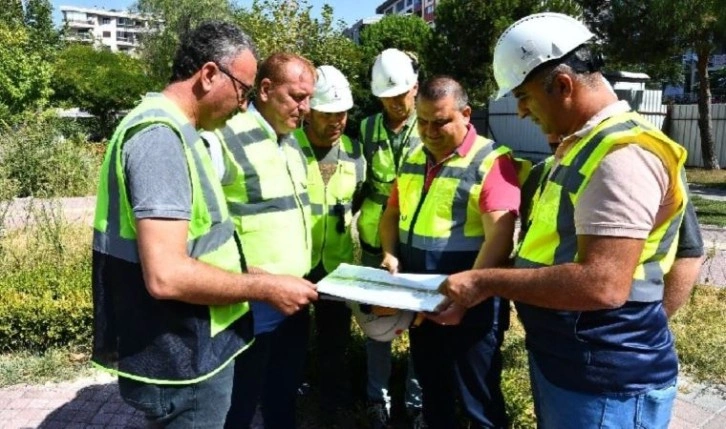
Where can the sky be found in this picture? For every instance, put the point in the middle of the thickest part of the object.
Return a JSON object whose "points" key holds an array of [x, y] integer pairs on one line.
{"points": [[349, 11]]}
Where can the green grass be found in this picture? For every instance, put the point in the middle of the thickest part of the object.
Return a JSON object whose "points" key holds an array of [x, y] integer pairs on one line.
{"points": [[700, 332], [710, 212], [52, 365]]}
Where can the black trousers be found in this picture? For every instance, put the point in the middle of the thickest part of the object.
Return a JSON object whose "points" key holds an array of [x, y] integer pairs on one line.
{"points": [[270, 372], [462, 361]]}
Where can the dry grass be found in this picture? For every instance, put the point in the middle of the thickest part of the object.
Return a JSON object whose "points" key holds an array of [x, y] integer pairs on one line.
{"points": [[711, 178]]}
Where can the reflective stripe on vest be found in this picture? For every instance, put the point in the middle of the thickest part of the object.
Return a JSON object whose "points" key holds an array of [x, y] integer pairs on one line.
{"points": [[265, 189], [552, 238], [381, 172], [447, 216], [330, 245], [210, 236]]}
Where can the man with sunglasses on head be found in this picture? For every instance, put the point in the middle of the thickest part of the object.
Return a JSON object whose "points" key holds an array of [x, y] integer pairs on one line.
{"points": [[264, 179], [170, 299], [336, 170]]}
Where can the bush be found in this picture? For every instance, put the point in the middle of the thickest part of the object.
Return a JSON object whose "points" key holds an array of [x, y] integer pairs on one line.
{"points": [[46, 156], [45, 282], [46, 306]]}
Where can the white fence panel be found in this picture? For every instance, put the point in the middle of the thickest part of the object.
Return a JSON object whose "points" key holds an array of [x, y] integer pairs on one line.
{"points": [[684, 129]]}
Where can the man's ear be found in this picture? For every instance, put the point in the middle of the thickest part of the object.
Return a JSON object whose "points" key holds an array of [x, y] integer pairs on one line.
{"points": [[466, 113], [263, 91], [564, 84], [207, 74]]}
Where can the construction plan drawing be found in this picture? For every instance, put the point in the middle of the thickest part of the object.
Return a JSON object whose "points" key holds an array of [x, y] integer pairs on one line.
{"points": [[417, 292]]}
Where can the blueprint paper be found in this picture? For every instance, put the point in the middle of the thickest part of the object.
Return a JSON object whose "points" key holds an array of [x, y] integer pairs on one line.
{"points": [[417, 292]]}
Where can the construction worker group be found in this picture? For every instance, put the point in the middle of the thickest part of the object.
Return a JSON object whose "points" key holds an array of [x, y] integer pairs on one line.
{"points": [[217, 215]]}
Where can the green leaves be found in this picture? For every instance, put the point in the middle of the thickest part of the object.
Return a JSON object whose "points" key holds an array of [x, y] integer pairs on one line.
{"points": [[99, 81]]}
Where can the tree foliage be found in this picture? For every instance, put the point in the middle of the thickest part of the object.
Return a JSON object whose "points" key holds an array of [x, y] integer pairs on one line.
{"points": [[39, 22], [283, 26], [11, 13], [653, 34], [404, 32], [173, 18], [466, 32], [25, 74], [99, 81]]}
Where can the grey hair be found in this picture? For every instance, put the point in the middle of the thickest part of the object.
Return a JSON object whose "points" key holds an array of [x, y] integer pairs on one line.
{"points": [[212, 41], [581, 64], [442, 86]]}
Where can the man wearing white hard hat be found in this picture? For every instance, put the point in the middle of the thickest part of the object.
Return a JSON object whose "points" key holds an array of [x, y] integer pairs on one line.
{"points": [[336, 171], [588, 276], [386, 138]]}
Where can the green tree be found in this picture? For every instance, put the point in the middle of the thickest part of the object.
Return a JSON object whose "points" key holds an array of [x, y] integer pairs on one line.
{"points": [[25, 75], [173, 18], [11, 13], [404, 32], [99, 81], [284, 26], [466, 32], [654, 32], [39, 22]]}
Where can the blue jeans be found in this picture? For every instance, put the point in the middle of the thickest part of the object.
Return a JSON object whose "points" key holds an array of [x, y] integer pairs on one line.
{"points": [[558, 408], [199, 405], [378, 354]]}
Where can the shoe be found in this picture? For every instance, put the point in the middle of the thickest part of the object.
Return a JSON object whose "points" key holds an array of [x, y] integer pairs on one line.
{"points": [[415, 416], [377, 416]]}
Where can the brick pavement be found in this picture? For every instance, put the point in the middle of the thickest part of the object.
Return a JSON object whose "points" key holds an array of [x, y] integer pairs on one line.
{"points": [[94, 402]]}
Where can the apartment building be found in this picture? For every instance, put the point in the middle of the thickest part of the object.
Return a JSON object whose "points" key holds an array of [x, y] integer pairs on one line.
{"points": [[423, 8], [119, 30], [353, 32]]}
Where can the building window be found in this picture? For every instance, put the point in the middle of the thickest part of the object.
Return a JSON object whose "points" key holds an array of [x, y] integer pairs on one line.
{"points": [[409, 2], [399, 6], [106, 21], [106, 34]]}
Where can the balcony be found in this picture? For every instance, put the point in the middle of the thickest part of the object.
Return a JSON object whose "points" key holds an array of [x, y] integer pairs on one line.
{"points": [[80, 37], [126, 41], [81, 23]]}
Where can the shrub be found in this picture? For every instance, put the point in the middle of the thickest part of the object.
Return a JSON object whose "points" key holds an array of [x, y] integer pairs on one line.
{"points": [[45, 285], [46, 306], [40, 160]]}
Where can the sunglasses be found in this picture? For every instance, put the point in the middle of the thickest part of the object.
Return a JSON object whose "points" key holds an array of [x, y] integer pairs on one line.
{"points": [[246, 90]]}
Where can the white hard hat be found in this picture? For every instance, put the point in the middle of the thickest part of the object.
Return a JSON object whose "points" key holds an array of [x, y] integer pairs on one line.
{"points": [[531, 41], [394, 73], [381, 328], [332, 91]]}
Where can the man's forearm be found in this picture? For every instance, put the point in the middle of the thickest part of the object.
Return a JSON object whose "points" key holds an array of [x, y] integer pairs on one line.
{"points": [[679, 283]]}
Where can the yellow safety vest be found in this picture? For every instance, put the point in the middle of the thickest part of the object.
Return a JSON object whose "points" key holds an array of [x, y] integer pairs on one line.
{"points": [[265, 185], [381, 173], [447, 216], [137, 336], [551, 238], [331, 204]]}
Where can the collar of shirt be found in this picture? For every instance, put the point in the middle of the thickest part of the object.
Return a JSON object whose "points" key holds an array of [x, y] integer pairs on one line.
{"points": [[266, 125], [410, 122], [611, 110]]}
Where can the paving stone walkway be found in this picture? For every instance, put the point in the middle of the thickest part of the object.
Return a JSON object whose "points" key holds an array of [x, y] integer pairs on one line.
{"points": [[94, 402]]}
